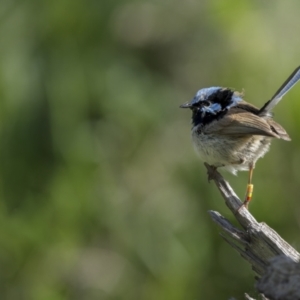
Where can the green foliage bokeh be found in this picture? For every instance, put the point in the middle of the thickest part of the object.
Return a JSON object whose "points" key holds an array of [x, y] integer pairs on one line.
{"points": [[101, 193]]}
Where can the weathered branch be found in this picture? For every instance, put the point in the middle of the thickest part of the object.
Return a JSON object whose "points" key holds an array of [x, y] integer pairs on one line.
{"points": [[258, 244]]}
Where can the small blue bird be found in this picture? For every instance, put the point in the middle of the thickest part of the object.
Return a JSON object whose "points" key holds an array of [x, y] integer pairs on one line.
{"points": [[232, 134]]}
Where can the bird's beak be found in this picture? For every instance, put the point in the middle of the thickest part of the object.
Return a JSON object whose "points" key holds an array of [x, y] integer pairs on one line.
{"points": [[186, 105]]}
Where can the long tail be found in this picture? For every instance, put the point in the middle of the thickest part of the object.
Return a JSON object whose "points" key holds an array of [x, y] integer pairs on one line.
{"points": [[286, 86]]}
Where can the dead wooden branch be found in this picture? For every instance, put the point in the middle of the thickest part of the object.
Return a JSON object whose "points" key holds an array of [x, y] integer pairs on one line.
{"points": [[259, 244]]}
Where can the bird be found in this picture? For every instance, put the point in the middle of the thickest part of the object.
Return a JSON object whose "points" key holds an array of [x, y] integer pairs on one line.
{"points": [[232, 134]]}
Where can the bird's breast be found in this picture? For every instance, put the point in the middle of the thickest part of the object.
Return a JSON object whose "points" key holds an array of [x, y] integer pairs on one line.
{"points": [[234, 153]]}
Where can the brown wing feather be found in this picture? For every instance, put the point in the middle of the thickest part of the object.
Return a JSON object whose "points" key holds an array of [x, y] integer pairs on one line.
{"points": [[279, 130], [240, 122]]}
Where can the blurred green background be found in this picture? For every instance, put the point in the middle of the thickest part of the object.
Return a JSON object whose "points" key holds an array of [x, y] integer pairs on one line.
{"points": [[102, 195]]}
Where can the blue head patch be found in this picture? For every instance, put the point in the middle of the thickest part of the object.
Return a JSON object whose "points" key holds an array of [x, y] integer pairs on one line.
{"points": [[212, 102], [204, 94]]}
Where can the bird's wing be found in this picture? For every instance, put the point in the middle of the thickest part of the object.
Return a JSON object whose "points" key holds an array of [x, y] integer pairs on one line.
{"points": [[238, 122]]}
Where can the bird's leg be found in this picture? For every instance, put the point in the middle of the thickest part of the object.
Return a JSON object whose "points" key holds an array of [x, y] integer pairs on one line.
{"points": [[249, 190]]}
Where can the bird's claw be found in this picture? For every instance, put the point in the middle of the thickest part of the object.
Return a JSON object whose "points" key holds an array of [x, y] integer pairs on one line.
{"points": [[210, 172]]}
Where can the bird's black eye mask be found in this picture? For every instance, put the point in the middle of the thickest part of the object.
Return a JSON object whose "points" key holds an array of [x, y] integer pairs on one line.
{"points": [[212, 103]]}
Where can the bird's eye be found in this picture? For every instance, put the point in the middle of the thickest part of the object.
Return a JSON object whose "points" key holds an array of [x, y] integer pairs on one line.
{"points": [[205, 103]]}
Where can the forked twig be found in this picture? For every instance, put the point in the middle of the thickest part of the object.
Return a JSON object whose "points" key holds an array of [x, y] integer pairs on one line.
{"points": [[259, 244]]}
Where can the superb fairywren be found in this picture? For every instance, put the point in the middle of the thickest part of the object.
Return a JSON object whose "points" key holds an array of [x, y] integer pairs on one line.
{"points": [[232, 134]]}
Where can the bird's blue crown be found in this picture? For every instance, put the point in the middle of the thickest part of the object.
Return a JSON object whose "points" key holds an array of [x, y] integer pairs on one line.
{"points": [[212, 103]]}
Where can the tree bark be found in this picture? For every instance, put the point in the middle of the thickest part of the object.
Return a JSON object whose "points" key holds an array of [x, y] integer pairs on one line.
{"points": [[274, 261]]}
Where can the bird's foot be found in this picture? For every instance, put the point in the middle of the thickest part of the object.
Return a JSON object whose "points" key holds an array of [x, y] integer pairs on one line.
{"points": [[210, 172]]}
